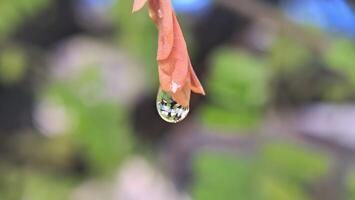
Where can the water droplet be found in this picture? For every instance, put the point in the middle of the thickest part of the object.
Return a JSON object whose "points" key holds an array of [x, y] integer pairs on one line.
{"points": [[168, 109]]}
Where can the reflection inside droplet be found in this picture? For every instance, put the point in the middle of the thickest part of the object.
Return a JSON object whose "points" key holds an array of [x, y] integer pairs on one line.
{"points": [[168, 109]]}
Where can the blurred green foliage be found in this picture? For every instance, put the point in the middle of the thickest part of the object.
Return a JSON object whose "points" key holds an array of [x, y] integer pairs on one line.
{"points": [[220, 176], [98, 137], [340, 57], [12, 65], [237, 89], [294, 162], [11, 178], [287, 56], [351, 185], [99, 132], [39, 186], [13, 13], [138, 34], [99, 125], [278, 172], [32, 183], [275, 188]]}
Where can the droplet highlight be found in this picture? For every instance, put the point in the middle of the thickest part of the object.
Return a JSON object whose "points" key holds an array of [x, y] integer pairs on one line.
{"points": [[168, 109]]}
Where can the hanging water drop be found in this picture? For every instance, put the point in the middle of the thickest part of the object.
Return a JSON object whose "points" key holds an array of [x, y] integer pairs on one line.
{"points": [[168, 109]]}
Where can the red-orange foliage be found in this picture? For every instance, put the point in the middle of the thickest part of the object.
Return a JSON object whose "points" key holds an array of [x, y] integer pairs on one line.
{"points": [[176, 74]]}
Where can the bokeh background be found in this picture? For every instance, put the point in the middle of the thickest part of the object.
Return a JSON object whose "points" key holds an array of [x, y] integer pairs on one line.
{"points": [[78, 82]]}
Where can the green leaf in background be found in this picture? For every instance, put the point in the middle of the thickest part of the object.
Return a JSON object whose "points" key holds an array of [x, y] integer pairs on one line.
{"points": [[351, 185], [288, 55], [237, 89], [44, 153], [100, 127], [221, 176], [31, 184], [220, 117], [138, 34], [293, 161], [279, 172], [274, 188], [12, 65], [43, 186], [13, 13], [339, 91], [11, 182], [340, 57]]}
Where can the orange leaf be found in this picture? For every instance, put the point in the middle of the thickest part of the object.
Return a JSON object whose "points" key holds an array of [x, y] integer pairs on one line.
{"points": [[176, 74], [182, 97], [180, 56], [162, 13]]}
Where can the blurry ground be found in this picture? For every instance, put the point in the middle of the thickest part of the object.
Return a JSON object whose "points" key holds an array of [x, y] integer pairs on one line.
{"points": [[78, 84]]}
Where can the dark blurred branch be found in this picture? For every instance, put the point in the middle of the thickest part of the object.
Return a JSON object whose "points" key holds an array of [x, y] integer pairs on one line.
{"points": [[256, 10]]}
